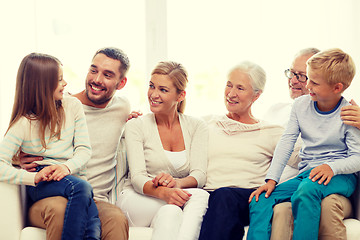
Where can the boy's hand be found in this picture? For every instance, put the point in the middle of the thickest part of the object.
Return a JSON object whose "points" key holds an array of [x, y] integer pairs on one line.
{"points": [[58, 172], [351, 114], [324, 172], [268, 188]]}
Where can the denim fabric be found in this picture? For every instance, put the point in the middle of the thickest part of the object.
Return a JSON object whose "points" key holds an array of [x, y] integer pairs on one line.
{"points": [[81, 220], [305, 196], [227, 214]]}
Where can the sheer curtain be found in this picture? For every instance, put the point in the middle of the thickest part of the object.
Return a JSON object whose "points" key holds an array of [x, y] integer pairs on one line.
{"points": [[207, 36], [210, 37]]}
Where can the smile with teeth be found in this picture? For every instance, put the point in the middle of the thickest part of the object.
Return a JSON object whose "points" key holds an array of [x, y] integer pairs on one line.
{"points": [[95, 88], [154, 102], [231, 101]]}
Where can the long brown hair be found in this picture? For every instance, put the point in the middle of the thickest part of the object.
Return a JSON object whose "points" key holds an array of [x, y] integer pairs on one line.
{"points": [[177, 74], [36, 81]]}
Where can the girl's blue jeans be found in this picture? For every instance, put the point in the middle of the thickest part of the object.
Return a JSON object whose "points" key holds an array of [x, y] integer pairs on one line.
{"points": [[305, 196], [81, 220]]}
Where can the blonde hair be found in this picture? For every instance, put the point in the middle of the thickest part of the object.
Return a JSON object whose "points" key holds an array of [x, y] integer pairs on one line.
{"points": [[334, 65], [36, 81], [177, 73]]}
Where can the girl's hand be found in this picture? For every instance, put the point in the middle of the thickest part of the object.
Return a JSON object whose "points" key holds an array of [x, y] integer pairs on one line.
{"points": [[175, 196], [165, 180], [42, 175], [268, 188], [324, 172], [58, 172]]}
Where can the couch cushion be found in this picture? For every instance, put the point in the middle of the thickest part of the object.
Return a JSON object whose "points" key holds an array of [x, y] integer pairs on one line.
{"points": [[31, 233], [140, 233]]}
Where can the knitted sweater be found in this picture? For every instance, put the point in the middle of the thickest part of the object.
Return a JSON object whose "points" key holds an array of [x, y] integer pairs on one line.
{"points": [[72, 149], [105, 126], [239, 154]]}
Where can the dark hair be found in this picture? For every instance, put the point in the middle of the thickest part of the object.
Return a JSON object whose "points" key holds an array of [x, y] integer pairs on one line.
{"points": [[117, 54], [36, 81]]}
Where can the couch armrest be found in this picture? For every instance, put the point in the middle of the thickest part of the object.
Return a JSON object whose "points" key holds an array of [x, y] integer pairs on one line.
{"points": [[122, 169], [11, 208]]}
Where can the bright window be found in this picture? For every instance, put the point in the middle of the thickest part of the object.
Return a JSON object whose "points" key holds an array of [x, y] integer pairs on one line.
{"points": [[208, 37]]}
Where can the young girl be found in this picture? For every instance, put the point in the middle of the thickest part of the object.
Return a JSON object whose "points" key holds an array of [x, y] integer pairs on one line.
{"points": [[43, 123]]}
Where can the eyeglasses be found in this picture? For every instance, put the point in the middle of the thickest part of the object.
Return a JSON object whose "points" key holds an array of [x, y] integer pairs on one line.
{"points": [[300, 77]]}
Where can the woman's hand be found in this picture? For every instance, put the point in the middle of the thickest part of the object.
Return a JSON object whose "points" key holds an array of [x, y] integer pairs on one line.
{"points": [[268, 188], [175, 196], [57, 172], [351, 114], [165, 180]]}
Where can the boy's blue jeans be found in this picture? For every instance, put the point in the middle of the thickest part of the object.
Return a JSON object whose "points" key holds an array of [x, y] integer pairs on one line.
{"points": [[305, 196], [81, 220]]}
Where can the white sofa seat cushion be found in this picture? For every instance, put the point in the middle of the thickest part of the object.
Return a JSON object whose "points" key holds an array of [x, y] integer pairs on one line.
{"points": [[140, 233], [352, 228], [32, 233]]}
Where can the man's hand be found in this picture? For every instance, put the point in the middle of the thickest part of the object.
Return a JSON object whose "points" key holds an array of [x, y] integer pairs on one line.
{"points": [[324, 172], [351, 114], [268, 188], [27, 161], [134, 114]]}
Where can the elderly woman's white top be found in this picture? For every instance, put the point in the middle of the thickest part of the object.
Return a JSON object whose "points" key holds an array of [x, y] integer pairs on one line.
{"points": [[239, 154]]}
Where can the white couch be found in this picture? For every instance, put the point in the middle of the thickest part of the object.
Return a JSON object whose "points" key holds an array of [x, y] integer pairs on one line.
{"points": [[12, 219], [13, 209]]}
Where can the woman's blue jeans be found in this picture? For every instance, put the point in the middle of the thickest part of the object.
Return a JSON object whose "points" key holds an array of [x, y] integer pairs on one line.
{"points": [[305, 196], [81, 220]]}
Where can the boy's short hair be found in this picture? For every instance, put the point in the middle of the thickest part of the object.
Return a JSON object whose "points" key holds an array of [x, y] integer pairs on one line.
{"points": [[334, 65]]}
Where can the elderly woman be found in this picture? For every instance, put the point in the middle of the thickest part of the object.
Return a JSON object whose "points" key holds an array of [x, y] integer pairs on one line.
{"points": [[240, 151], [167, 155]]}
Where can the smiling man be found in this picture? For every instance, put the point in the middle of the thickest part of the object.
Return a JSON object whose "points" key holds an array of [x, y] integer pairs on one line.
{"points": [[106, 116]]}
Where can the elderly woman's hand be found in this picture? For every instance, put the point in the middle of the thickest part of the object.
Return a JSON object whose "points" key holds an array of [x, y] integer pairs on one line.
{"points": [[351, 114], [268, 188], [165, 180]]}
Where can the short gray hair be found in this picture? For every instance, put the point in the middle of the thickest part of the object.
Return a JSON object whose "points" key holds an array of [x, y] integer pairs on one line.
{"points": [[256, 74], [307, 51]]}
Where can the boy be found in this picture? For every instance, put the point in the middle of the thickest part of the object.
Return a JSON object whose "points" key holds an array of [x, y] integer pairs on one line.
{"points": [[330, 153]]}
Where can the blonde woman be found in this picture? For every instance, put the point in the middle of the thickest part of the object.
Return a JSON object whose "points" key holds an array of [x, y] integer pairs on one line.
{"points": [[167, 155]]}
